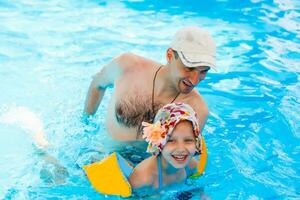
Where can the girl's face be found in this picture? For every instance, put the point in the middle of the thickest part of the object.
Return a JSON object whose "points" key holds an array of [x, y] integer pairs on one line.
{"points": [[181, 146]]}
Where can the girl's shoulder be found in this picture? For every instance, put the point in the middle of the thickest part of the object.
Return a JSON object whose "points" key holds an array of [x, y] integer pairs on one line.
{"points": [[193, 164], [148, 163], [143, 174]]}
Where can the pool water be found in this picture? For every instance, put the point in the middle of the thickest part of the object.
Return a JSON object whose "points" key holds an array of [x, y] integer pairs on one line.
{"points": [[50, 49]]}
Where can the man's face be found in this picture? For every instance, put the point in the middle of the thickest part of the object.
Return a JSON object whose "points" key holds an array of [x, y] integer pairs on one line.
{"points": [[189, 77]]}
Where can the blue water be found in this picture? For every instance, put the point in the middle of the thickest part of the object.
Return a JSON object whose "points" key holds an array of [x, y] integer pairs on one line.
{"points": [[50, 49]]}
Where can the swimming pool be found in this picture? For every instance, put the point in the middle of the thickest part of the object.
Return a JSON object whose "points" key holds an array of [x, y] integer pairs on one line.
{"points": [[50, 49]]}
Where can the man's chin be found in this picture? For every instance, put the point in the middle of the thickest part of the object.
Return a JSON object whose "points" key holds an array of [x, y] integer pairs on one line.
{"points": [[186, 90]]}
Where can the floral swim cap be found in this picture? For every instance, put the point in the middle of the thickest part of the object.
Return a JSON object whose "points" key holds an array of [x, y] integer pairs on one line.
{"points": [[158, 133]]}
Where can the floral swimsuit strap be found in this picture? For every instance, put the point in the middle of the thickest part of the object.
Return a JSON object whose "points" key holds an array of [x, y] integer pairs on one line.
{"points": [[160, 177]]}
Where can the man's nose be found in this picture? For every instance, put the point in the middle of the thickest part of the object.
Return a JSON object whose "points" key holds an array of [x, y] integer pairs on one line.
{"points": [[195, 77]]}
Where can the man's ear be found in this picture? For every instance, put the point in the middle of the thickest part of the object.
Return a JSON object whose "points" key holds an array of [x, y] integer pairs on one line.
{"points": [[169, 54]]}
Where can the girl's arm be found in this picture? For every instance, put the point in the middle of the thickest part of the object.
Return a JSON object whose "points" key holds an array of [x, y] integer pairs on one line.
{"points": [[142, 176]]}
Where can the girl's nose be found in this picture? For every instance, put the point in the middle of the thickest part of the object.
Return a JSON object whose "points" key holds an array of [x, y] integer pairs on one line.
{"points": [[180, 145]]}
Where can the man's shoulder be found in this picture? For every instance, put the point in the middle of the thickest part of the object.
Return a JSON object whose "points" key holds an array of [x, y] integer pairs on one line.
{"points": [[132, 61], [127, 57], [195, 98], [198, 103]]}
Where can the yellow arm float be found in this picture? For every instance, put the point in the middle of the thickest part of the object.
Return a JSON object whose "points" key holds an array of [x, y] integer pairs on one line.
{"points": [[202, 161], [109, 176]]}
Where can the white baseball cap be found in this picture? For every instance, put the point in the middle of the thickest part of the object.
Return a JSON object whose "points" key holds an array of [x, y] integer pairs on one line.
{"points": [[195, 47]]}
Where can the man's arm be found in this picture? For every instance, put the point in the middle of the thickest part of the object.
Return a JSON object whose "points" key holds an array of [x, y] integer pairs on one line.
{"points": [[104, 78], [202, 115], [201, 109]]}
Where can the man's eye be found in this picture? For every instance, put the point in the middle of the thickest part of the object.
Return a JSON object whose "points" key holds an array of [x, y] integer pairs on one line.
{"points": [[189, 69], [204, 71], [170, 140]]}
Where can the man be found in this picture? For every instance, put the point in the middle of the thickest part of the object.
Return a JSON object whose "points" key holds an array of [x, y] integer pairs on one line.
{"points": [[142, 86]]}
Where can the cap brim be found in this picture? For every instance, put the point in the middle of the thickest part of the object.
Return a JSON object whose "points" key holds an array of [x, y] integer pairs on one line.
{"points": [[196, 60]]}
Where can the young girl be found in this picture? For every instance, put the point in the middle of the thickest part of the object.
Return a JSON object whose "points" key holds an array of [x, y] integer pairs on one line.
{"points": [[173, 139]]}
